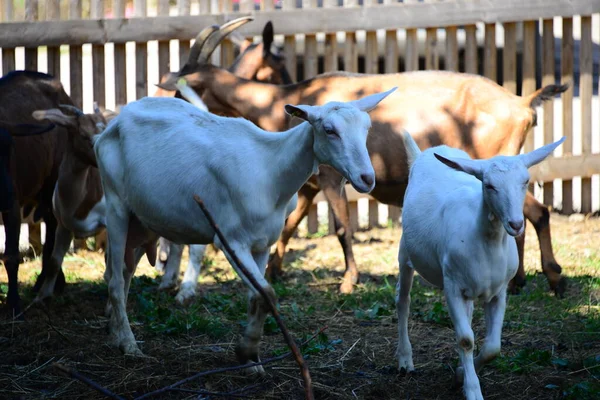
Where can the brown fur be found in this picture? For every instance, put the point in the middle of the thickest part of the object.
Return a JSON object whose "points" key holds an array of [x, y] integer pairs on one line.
{"points": [[437, 107], [35, 163]]}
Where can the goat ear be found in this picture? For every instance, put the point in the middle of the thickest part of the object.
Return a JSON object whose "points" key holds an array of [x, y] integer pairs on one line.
{"points": [[56, 116], [267, 37], [471, 167], [538, 155], [370, 102], [301, 112]]}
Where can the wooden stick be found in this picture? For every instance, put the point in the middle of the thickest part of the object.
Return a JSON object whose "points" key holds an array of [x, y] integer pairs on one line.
{"points": [[286, 335], [225, 369], [76, 375]]}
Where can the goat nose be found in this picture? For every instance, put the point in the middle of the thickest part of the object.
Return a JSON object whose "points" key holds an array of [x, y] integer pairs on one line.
{"points": [[367, 179], [516, 225]]}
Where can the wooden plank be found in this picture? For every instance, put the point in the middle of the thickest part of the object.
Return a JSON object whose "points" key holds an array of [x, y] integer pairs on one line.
{"points": [[310, 56], [8, 54], [75, 61], [311, 60], [397, 16], [313, 219], [373, 214], [163, 45], [471, 49], [371, 53], [567, 107], [331, 53], [391, 61], [489, 53], [120, 58], [566, 167], [529, 59], [53, 52], [548, 79], [451, 61], [353, 211], [31, 53], [184, 8], [289, 44], [227, 47], [141, 56], [412, 51], [509, 58], [350, 53], [585, 87], [432, 59], [98, 69]]}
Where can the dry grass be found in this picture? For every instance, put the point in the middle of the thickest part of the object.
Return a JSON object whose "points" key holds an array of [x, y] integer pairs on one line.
{"points": [[551, 347]]}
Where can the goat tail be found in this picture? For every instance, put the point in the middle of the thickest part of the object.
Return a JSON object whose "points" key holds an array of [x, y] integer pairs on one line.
{"points": [[412, 150], [546, 93], [190, 95]]}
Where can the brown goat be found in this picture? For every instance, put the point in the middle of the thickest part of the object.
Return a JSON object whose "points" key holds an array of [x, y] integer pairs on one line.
{"points": [[78, 196], [437, 107], [34, 165]]}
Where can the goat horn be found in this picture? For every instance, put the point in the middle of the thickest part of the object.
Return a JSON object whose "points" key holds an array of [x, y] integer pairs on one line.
{"points": [[198, 45], [217, 37], [69, 107], [97, 108]]}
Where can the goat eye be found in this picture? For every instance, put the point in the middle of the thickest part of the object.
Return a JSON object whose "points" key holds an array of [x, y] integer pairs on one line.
{"points": [[331, 132], [490, 187]]}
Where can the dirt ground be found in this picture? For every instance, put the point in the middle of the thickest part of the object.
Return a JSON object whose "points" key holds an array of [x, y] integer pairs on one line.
{"points": [[551, 347]]}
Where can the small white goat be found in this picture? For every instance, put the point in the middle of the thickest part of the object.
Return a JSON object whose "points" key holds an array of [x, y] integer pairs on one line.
{"points": [[159, 152], [457, 223]]}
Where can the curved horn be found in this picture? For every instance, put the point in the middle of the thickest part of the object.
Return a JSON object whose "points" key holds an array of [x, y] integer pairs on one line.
{"points": [[215, 39], [198, 45], [69, 107]]}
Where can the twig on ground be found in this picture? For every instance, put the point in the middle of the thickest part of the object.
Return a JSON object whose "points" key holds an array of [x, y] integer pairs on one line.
{"points": [[76, 375], [290, 342], [225, 369]]}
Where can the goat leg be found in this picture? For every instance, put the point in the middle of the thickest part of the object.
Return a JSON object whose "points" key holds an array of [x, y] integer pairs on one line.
{"points": [[539, 216], [516, 283], [305, 198], [12, 230], [336, 196]]}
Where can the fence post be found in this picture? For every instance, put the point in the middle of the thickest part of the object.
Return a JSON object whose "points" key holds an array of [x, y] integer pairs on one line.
{"points": [[567, 102], [585, 88], [548, 79]]}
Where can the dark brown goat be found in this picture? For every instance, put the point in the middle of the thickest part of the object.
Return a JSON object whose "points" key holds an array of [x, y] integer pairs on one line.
{"points": [[34, 165], [437, 107]]}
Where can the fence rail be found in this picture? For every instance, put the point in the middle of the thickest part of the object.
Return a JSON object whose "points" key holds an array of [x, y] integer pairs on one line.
{"points": [[114, 51]]}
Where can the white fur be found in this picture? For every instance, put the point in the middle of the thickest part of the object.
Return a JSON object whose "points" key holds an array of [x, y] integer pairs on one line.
{"points": [[160, 152], [457, 234], [171, 265]]}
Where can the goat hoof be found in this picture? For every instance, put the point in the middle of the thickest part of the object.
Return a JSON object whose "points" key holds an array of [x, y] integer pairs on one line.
{"points": [[256, 370], [184, 297], [561, 288]]}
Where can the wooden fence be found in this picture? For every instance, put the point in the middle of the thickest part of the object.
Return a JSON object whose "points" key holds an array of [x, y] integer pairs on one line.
{"points": [[114, 51]]}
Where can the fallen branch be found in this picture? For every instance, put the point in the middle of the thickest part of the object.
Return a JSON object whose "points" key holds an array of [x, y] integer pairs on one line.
{"points": [[286, 334], [76, 375], [225, 369]]}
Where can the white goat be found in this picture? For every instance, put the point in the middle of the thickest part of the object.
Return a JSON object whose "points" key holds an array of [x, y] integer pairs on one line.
{"points": [[159, 152], [169, 258], [457, 223]]}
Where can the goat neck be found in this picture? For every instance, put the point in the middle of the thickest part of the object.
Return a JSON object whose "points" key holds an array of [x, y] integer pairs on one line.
{"points": [[294, 159], [261, 103]]}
